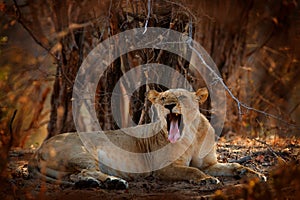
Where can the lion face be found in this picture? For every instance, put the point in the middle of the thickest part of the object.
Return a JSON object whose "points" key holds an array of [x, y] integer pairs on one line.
{"points": [[177, 108]]}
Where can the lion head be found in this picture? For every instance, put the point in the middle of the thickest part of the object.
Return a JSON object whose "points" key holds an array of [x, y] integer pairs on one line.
{"points": [[177, 108]]}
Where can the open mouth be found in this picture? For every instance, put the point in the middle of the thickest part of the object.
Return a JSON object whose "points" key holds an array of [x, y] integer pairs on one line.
{"points": [[174, 128]]}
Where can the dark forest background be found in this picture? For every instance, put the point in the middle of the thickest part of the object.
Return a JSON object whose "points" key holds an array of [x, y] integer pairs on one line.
{"points": [[255, 45]]}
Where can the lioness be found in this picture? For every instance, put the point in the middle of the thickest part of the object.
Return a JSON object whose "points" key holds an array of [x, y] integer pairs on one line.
{"points": [[65, 159]]}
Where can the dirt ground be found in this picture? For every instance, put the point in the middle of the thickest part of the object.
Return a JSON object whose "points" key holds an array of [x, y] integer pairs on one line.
{"points": [[275, 157]]}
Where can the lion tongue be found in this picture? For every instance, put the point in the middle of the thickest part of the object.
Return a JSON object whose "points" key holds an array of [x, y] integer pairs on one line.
{"points": [[174, 132]]}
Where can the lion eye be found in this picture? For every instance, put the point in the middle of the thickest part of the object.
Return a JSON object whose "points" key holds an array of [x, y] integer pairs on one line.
{"points": [[163, 98]]}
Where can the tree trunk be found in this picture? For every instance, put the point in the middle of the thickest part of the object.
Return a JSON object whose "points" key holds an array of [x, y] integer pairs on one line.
{"points": [[254, 44]]}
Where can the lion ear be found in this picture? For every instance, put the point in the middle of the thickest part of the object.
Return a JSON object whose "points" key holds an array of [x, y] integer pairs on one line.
{"points": [[152, 95], [202, 95]]}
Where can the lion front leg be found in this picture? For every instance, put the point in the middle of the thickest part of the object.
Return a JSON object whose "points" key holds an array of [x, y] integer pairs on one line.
{"points": [[184, 173], [233, 169], [89, 174]]}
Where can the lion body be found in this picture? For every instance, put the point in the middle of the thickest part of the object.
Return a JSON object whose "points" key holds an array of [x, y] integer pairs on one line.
{"points": [[65, 159]]}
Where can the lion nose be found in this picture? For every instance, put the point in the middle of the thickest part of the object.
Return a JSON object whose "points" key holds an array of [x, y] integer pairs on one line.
{"points": [[170, 106]]}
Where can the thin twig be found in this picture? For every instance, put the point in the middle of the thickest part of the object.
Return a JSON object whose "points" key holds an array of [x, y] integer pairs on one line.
{"points": [[182, 6], [269, 148], [148, 16], [294, 108], [11, 122]]}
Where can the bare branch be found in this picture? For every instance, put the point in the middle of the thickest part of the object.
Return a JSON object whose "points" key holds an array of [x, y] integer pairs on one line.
{"points": [[239, 104]]}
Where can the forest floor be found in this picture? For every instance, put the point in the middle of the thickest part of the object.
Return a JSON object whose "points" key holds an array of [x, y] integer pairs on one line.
{"points": [[275, 157]]}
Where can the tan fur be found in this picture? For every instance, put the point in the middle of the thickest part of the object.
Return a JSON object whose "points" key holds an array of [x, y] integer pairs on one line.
{"points": [[64, 158]]}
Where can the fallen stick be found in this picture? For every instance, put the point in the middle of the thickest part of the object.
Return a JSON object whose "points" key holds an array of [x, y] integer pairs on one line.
{"points": [[241, 160]]}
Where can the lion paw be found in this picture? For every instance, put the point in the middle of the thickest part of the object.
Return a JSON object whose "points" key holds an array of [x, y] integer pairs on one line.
{"points": [[115, 183], [243, 171], [206, 181], [88, 182]]}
